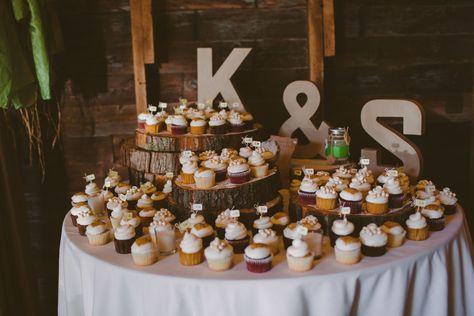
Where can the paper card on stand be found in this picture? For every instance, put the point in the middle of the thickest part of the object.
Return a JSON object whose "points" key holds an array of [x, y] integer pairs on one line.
{"points": [[234, 213], [197, 207], [345, 210]]}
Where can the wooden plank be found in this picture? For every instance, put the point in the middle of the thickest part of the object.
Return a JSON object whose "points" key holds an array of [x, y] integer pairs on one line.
{"points": [[147, 31], [138, 60], [315, 43], [328, 28]]}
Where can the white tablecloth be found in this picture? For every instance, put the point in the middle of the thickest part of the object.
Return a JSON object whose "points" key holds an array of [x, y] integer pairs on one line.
{"points": [[432, 277]]}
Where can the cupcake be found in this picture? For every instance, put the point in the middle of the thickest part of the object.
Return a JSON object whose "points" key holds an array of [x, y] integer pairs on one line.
{"points": [[116, 216], [187, 172], [322, 177], [236, 123], [377, 201], [97, 233], [79, 197], [190, 250], [206, 155], [152, 125], [217, 124], [351, 198], [382, 179], [340, 228], [268, 237], [141, 120], [395, 232], [133, 221], [289, 234], [258, 258], [374, 241], [395, 193], [76, 210], [258, 166], [159, 199], [237, 236], [163, 235], [360, 184], [366, 174], [169, 123], [314, 237], [94, 198], [124, 237], [144, 252], [204, 178], [448, 200], [299, 256], [417, 228], [267, 154], [195, 219], [205, 232], [122, 188], [198, 126], [245, 152], [179, 125], [422, 184], [144, 202], [146, 216], [337, 183], [165, 215], [263, 222], [428, 197], [326, 198], [187, 156], [343, 173], [347, 250], [219, 255], [280, 220], [248, 120], [84, 219], [221, 222], [307, 192], [238, 172], [217, 165], [148, 188], [133, 195], [404, 181], [114, 203], [106, 195], [435, 216]]}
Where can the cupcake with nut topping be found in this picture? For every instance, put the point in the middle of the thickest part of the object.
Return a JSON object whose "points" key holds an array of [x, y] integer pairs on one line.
{"points": [[238, 172], [417, 227], [377, 201], [219, 255], [374, 241], [448, 200], [326, 198], [144, 251]]}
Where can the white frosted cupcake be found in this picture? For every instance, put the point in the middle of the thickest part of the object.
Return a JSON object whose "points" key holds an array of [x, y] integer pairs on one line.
{"points": [[144, 251], [352, 198], [219, 255], [238, 172], [204, 178], [187, 172], [205, 232], [187, 156], [81, 197], [195, 219], [190, 250], [217, 165], [326, 198], [268, 237], [448, 199], [337, 183], [435, 215], [307, 191], [377, 201], [374, 240], [299, 256], [245, 152], [340, 228], [395, 193], [347, 250], [258, 166], [263, 222], [198, 126], [217, 124], [395, 232], [258, 258], [144, 202], [97, 233], [163, 234], [417, 227], [360, 184], [164, 214]]}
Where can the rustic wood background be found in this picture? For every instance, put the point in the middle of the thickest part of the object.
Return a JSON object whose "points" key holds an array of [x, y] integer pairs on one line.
{"points": [[421, 50]]}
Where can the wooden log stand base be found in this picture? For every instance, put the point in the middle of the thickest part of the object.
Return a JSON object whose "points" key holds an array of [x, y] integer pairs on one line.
{"points": [[165, 142], [300, 210], [225, 195], [247, 215]]}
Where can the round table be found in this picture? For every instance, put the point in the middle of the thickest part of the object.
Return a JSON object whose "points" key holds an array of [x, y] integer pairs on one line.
{"points": [[431, 277]]}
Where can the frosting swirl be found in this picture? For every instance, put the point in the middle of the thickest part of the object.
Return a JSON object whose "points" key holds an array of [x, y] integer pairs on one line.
{"points": [[190, 243], [235, 231], [308, 186], [416, 221], [298, 249], [447, 197], [79, 197], [373, 236], [262, 222], [265, 236], [256, 159], [92, 189], [377, 196], [342, 227], [124, 232], [218, 249], [392, 186], [326, 192], [257, 251], [145, 202]]}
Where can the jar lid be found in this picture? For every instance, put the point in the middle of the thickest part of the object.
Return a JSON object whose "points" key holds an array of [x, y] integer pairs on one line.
{"points": [[337, 131]]}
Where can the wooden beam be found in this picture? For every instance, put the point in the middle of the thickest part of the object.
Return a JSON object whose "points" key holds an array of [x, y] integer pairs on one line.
{"points": [[316, 42], [328, 27], [138, 55], [147, 31]]}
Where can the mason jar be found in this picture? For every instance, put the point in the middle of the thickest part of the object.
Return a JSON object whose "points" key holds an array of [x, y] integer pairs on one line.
{"points": [[337, 143]]}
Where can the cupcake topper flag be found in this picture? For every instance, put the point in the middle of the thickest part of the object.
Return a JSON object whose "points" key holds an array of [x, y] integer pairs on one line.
{"points": [[261, 209], [162, 106], [169, 175], [247, 140], [234, 213], [345, 210], [419, 203], [364, 162], [308, 171], [152, 108], [256, 144], [89, 177], [223, 105], [196, 207]]}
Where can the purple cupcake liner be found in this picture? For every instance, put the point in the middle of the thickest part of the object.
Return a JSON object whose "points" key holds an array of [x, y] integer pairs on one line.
{"points": [[141, 125], [373, 251], [449, 209], [220, 129], [258, 265], [237, 128], [307, 197], [436, 224], [73, 220], [239, 178], [239, 245], [178, 129], [221, 175], [395, 200], [124, 246], [356, 206]]}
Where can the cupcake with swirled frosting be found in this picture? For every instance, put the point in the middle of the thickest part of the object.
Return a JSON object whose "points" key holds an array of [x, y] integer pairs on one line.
{"points": [[238, 172], [395, 232], [221, 222], [186, 156], [435, 216], [374, 241], [98, 233], [448, 199], [258, 258], [236, 122], [76, 209], [360, 184], [326, 198], [205, 232], [417, 227], [299, 257], [351, 198], [245, 152], [219, 255], [146, 216], [124, 237], [191, 251], [79, 197], [148, 188], [179, 125], [133, 195], [144, 251], [152, 124], [307, 192], [337, 183], [217, 124], [340, 228], [258, 165], [279, 220], [198, 126], [84, 219], [263, 222], [268, 237], [377, 201], [218, 166], [395, 193], [204, 178], [367, 174], [290, 233], [237, 236], [187, 172]]}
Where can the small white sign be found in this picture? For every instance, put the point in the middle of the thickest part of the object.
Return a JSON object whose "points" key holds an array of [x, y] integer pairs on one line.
{"points": [[297, 172], [248, 140], [197, 207], [235, 105], [256, 143], [234, 213], [169, 175], [107, 184], [420, 203], [113, 173], [309, 172], [182, 106], [302, 230], [262, 209], [123, 197], [183, 226], [127, 216], [187, 153], [223, 105], [162, 105], [365, 161], [345, 210], [430, 188], [392, 173], [152, 108], [90, 177]]}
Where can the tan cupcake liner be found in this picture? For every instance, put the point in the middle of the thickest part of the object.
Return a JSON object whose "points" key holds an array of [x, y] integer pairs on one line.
{"points": [[300, 264], [191, 259], [187, 178], [418, 234], [145, 259], [168, 128], [152, 129], [198, 130], [395, 240], [259, 171], [325, 204], [99, 240], [205, 183], [377, 209], [220, 264], [347, 257]]}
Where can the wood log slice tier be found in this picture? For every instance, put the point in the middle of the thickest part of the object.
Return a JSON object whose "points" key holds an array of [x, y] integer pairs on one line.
{"points": [[300, 210], [225, 195], [247, 215], [166, 142], [138, 177]]}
